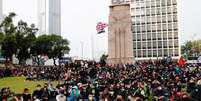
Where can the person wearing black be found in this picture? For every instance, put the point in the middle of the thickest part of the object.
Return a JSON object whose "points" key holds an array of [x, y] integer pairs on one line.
{"points": [[37, 94], [26, 95]]}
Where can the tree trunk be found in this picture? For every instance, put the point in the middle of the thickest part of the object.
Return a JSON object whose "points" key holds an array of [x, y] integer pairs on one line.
{"points": [[22, 62], [11, 60], [54, 60], [38, 61]]}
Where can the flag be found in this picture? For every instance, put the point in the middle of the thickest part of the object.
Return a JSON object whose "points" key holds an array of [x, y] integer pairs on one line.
{"points": [[100, 27], [182, 61]]}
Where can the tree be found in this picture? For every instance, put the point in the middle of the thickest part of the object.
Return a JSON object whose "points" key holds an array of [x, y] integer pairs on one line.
{"points": [[25, 37], [54, 46], [59, 47], [41, 46], [192, 48], [9, 42], [103, 59], [1, 38]]}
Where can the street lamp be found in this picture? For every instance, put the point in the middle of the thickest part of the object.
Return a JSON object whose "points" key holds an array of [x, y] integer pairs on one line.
{"points": [[82, 45]]}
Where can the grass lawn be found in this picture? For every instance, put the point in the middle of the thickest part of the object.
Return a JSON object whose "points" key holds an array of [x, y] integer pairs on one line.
{"points": [[17, 84]]}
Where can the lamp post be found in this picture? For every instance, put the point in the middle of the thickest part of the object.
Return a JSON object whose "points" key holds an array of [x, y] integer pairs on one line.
{"points": [[82, 48]]}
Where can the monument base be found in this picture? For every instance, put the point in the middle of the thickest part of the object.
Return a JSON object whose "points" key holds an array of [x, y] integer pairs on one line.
{"points": [[124, 60]]}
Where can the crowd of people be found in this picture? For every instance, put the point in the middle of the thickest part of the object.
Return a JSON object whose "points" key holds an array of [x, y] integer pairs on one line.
{"points": [[90, 81]]}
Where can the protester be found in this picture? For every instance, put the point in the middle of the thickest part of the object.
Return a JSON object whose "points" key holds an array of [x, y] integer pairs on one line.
{"points": [[26, 95], [90, 81]]}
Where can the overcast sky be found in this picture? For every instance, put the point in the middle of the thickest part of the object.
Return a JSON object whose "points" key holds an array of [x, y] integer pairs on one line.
{"points": [[79, 18]]}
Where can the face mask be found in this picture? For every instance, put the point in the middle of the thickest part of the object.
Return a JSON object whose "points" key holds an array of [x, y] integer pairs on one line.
{"points": [[38, 88]]}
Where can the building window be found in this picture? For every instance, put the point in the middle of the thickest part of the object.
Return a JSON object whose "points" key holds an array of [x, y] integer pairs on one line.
{"points": [[169, 2], [163, 10], [154, 44], [165, 44], [144, 37], [152, 3], [171, 52], [148, 3], [159, 44], [138, 28], [138, 45], [159, 35], [149, 53], [175, 18], [144, 45], [158, 19], [153, 27], [137, 18], [163, 2], [148, 19], [136, 4], [154, 53], [142, 11], [169, 26], [158, 11], [175, 25], [137, 12], [165, 27], [164, 35], [143, 28], [148, 36], [144, 53], [169, 35], [169, 18], [159, 26], [143, 19], [157, 3], [134, 53], [138, 37], [174, 8], [169, 9], [154, 36], [175, 35], [134, 37], [176, 52], [159, 52], [148, 27], [149, 44], [152, 11], [148, 12], [174, 2], [134, 45], [170, 43], [139, 53], [163, 18], [176, 43], [165, 52]]}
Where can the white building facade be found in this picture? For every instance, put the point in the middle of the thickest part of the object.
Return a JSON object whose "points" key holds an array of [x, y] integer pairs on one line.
{"points": [[49, 17], [155, 29]]}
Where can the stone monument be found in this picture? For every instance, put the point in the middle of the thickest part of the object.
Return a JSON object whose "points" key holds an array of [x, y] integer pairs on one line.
{"points": [[120, 38]]}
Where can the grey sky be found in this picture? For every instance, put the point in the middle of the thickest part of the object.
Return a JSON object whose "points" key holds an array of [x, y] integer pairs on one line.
{"points": [[79, 18]]}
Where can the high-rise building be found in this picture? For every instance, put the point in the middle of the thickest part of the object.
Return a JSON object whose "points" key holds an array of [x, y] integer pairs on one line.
{"points": [[155, 29], [49, 16]]}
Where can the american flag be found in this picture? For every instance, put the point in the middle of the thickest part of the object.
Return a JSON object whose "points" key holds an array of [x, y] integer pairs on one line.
{"points": [[100, 27]]}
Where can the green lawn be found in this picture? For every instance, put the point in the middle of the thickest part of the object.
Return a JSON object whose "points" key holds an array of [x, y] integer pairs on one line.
{"points": [[17, 84]]}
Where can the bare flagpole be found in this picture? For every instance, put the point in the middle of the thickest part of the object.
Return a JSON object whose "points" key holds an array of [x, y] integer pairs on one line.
{"points": [[92, 46]]}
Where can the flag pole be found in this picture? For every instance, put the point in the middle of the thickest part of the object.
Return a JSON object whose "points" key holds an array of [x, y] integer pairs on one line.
{"points": [[92, 47]]}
